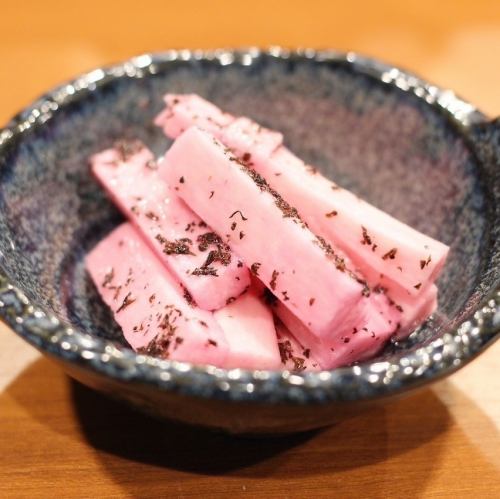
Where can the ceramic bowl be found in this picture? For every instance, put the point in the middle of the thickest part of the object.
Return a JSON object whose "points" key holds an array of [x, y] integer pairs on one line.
{"points": [[417, 151]]}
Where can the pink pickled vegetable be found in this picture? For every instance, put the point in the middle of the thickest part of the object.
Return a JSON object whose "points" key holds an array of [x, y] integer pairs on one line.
{"points": [[415, 310], [376, 242], [209, 117], [361, 341], [340, 276], [210, 272], [248, 325], [148, 303], [367, 339], [303, 271]]}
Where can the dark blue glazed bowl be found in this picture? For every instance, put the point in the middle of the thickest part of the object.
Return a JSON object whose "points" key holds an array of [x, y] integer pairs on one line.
{"points": [[415, 150]]}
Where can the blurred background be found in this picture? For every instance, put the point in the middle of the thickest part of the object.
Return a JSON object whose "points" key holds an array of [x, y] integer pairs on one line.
{"points": [[454, 43]]}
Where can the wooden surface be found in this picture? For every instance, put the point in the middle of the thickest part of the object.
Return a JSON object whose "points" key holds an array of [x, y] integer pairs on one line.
{"points": [[56, 437]]}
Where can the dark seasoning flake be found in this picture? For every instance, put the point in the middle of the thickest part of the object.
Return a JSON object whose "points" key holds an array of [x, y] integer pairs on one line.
{"points": [[183, 246], [424, 263], [152, 216], [391, 254], [118, 290], [286, 354], [188, 297], [180, 246], [240, 213], [221, 253], [128, 300], [108, 278], [161, 345], [272, 283], [366, 238], [255, 268], [205, 271]]}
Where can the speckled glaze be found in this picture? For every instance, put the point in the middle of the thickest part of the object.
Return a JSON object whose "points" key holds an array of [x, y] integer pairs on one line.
{"points": [[414, 150]]}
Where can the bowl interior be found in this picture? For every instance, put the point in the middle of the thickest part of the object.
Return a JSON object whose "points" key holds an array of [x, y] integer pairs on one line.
{"points": [[388, 146]]}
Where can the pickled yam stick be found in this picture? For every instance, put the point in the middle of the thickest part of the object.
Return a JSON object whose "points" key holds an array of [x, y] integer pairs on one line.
{"points": [[248, 325], [210, 272], [303, 271], [149, 304]]}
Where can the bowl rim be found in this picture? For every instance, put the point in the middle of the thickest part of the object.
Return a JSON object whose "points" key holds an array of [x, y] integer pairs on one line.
{"points": [[369, 380]]}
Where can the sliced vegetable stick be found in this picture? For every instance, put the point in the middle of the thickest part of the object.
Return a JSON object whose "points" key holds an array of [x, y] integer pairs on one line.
{"points": [[380, 318], [373, 239], [248, 325], [208, 116], [416, 310], [362, 341], [211, 273], [148, 303], [304, 271], [371, 335]]}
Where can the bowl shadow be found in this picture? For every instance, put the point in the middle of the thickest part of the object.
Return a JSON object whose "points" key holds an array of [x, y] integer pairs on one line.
{"points": [[139, 453], [356, 442]]}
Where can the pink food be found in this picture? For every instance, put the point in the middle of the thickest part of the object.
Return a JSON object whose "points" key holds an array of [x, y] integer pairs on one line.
{"points": [[415, 310], [369, 336], [377, 243], [209, 117], [303, 271], [148, 303], [210, 272], [248, 325], [318, 286], [378, 323]]}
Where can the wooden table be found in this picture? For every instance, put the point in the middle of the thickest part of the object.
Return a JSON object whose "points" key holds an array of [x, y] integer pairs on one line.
{"points": [[56, 437]]}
